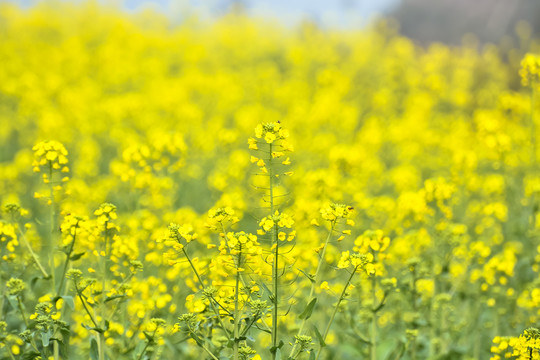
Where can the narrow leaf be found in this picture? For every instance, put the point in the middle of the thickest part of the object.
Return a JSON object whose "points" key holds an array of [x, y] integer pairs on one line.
{"points": [[94, 353], [77, 256], [319, 337], [306, 314], [45, 337], [309, 276], [69, 301]]}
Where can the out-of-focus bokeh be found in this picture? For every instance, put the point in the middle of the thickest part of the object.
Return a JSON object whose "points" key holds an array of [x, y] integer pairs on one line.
{"points": [[134, 135]]}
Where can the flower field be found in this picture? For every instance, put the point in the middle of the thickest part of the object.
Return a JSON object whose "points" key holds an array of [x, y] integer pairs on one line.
{"points": [[239, 190]]}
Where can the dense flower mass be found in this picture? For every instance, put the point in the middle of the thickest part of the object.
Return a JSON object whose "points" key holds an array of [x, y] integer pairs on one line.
{"points": [[240, 191]]}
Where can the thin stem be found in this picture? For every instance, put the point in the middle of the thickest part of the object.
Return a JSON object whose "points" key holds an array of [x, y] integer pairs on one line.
{"points": [[341, 297], [245, 286], [146, 346], [33, 254], [314, 283], [50, 249], [236, 309], [212, 301], [275, 263], [533, 125], [144, 350], [374, 319], [19, 302], [102, 308], [86, 308], [66, 263], [208, 351]]}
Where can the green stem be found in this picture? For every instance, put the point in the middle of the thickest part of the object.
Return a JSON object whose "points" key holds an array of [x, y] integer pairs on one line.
{"points": [[33, 254], [314, 284], [245, 286], [19, 302], [533, 125], [275, 263], [374, 319], [208, 351], [236, 308], [11, 355], [144, 350], [50, 249], [413, 303], [341, 297], [66, 263], [86, 308], [146, 346], [212, 301], [102, 307]]}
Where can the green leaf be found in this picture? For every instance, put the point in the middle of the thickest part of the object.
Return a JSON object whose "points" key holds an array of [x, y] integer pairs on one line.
{"points": [[45, 337], [278, 354], [267, 289], [306, 314], [319, 337], [114, 297], [12, 299], [94, 353], [30, 355], [309, 276], [312, 355], [196, 338], [69, 301], [77, 256]]}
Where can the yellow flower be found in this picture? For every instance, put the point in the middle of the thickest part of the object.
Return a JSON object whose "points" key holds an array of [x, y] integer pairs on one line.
{"points": [[324, 285]]}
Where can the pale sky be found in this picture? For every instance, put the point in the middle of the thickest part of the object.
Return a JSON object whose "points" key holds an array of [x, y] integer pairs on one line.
{"points": [[327, 13]]}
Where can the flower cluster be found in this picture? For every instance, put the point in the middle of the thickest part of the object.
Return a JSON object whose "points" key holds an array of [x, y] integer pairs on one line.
{"points": [[280, 220], [50, 155], [357, 260], [333, 212], [530, 69]]}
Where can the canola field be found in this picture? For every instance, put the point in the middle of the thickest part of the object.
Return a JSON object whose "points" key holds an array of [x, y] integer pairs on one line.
{"points": [[240, 190]]}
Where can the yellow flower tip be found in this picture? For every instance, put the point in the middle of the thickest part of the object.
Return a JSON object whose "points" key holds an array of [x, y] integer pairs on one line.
{"points": [[56, 316], [286, 161], [314, 222], [210, 246], [269, 137], [259, 131], [346, 232], [15, 349], [91, 270], [324, 285]]}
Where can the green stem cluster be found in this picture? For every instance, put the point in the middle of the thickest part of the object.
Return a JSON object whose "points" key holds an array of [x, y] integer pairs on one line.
{"points": [[275, 263], [336, 308], [314, 283]]}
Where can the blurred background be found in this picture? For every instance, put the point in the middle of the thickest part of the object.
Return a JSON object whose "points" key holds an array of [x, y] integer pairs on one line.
{"points": [[424, 21]]}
